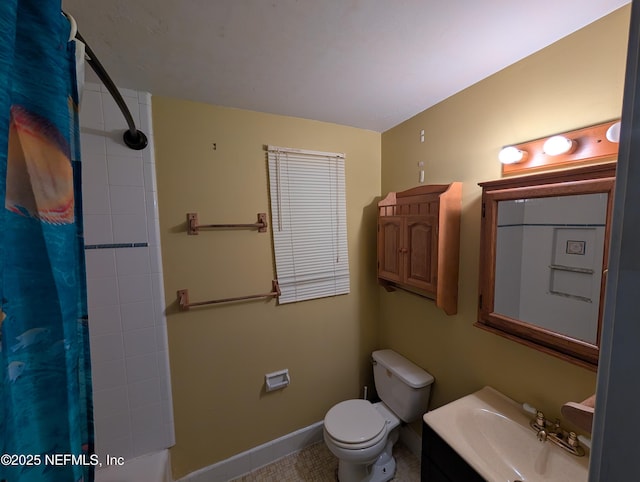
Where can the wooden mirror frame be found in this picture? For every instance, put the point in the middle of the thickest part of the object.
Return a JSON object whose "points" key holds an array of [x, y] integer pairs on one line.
{"points": [[583, 180]]}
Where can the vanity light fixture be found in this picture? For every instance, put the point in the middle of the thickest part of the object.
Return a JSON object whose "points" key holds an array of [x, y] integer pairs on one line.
{"points": [[511, 155], [613, 133], [596, 143], [558, 145]]}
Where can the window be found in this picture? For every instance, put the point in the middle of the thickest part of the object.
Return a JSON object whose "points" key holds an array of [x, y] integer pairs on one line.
{"points": [[309, 225]]}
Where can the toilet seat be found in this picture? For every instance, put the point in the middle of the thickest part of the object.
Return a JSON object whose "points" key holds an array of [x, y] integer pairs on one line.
{"points": [[355, 424]]}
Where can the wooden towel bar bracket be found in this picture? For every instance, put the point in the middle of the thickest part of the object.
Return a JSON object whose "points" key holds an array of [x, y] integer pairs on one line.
{"points": [[193, 227], [183, 297]]}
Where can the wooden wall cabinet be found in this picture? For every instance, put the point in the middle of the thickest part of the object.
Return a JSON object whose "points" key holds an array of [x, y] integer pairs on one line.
{"points": [[419, 242]]}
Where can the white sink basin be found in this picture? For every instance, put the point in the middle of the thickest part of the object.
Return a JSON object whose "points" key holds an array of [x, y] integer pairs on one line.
{"points": [[491, 432]]}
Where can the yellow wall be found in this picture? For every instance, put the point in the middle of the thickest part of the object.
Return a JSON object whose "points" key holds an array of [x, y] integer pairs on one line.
{"points": [[219, 354], [576, 82]]}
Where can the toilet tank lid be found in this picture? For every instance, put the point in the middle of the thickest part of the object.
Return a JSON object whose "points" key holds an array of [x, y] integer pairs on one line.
{"points": [[411, 374]]}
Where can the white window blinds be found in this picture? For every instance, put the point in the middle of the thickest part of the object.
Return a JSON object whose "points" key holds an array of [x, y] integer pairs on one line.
{"points": [[309, 225]]}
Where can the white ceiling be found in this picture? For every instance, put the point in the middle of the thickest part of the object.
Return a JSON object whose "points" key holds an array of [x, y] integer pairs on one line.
{"points": [[364, 63]]}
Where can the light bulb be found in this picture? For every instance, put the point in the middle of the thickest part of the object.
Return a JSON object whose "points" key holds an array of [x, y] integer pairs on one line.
{"points": [[557, 145], [613, 133], [511, 155]]}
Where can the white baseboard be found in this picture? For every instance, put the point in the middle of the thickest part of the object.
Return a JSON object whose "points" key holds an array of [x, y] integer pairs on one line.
{"points": [[269, 452], [257, 457]]}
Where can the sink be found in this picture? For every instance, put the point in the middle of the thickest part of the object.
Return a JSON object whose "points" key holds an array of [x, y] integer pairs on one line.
{"points": [[491, 432]]}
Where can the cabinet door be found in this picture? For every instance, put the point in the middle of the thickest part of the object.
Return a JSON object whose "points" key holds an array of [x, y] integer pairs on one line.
{"points": [[421, 252], [390, 248]]}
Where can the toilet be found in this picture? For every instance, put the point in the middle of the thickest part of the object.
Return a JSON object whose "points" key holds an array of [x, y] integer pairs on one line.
{"points": [[361, 434]]}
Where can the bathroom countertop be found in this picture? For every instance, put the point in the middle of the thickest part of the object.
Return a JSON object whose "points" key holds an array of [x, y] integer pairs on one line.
{"points": [[492, 433]]}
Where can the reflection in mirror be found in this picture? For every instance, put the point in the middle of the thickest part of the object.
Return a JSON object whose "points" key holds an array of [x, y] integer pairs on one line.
{"points": [[544, 240], [549, 255]]}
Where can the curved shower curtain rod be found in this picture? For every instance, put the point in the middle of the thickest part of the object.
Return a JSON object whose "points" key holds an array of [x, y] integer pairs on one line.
{"points": [[133, 138]]}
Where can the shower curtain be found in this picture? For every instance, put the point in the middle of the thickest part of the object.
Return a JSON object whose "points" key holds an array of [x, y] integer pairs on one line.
{"points": [[46, 428]]}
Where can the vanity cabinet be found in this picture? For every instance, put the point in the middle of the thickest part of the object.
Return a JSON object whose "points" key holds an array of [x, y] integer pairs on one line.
{"points": [[419, 242], [440, 463]]}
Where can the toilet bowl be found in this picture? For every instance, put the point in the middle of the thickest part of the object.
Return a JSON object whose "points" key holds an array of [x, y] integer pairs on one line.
{"points": [[361, 434]]}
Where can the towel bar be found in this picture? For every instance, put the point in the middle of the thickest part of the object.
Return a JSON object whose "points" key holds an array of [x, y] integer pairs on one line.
{"points": [[183, 297], [193, 226]]}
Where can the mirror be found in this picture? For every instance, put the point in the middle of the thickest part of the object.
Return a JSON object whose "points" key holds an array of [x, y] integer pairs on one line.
{"points": [[544, 244]]}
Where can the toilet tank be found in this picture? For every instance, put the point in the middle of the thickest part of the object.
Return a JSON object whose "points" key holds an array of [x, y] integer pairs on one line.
{"points": [[403, 386]]}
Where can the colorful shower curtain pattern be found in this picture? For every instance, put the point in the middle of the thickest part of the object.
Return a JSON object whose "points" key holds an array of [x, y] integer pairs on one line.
{"points": [[46, 427]]}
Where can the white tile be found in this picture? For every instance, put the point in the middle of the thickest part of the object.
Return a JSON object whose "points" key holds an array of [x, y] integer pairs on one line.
{"points": [[137, 315], [125, 171], [148, 154], [144, 393], [155, 259], [113, 116], [116, 146], [92, 86], [170, 434], [102, 292], [91, 113], [110, 401], [145, 116], [95, 199], [92, 144], [164, 376], [144, 98], [145, 418], [149, 173], [152, 207], [104, 320], [167, 412], [129, 228], [108, 375], [127, 200], [133, 261], [142, 367], [161, 338], [123, 92], [157, 288], [106, 348], [116, 447], [100, 263], [149, 440], [133, 289], [159, 312], [140, 342], [94, 171], [97, 229], [153, 232], [112, 427]]}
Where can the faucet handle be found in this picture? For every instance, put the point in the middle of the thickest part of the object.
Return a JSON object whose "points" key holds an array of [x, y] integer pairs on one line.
{"points": [[540, 420], [538, 415], [572, 440]]}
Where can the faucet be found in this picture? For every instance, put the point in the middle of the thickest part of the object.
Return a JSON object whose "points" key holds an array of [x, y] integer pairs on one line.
{"points": [[546, 430]]}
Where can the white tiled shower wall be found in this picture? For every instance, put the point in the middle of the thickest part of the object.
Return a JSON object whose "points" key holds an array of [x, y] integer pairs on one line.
{"points": [[129, 355]]}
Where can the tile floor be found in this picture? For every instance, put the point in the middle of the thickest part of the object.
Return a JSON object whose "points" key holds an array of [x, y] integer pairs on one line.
{"points": [[317, 464]]}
